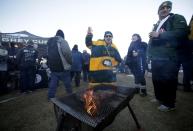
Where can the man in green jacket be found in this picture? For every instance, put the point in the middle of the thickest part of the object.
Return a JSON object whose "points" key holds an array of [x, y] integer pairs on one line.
{"points": [[168, 33]]}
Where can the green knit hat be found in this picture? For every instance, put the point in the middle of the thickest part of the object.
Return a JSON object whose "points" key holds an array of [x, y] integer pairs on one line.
{"points": [[165, 3]]}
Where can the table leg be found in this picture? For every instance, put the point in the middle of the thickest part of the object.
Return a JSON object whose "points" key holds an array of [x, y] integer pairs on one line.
{"points": [[59, 118], [134, 117], [60, 123]]}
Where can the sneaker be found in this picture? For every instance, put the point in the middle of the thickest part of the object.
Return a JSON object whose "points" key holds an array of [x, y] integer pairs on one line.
{"points": [[164, 108]]}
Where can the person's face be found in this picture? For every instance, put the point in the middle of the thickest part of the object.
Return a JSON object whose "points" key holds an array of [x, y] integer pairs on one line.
{"points": [[164, 11], [134, 38], [108, 38]]}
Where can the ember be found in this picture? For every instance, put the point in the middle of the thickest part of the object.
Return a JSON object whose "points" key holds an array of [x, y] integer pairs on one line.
{"points": [[90, 102]]}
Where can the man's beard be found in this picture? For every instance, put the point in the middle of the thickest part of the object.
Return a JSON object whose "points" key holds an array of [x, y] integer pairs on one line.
{"points": [[108, 40]]}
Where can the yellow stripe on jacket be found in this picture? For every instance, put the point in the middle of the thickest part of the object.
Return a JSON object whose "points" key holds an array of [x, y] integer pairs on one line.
{"points": [[96, 64]]}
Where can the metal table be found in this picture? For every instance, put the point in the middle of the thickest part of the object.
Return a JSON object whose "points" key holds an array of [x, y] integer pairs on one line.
{"points": [[70, 113]]}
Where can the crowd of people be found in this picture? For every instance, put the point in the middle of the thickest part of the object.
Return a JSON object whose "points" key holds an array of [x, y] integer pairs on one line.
{"points": [[167, 50]]}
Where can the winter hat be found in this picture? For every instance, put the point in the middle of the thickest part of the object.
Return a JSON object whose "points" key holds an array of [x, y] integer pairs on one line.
{"points": [[108, 33], [165, 3], [75, 47], [60, 33]]}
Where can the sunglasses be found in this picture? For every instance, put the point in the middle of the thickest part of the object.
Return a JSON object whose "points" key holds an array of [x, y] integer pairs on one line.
{"points": [[108, 36]]}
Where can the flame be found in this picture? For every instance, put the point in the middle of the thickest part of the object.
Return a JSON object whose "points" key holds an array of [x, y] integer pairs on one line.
{"points": [[90, 102]]}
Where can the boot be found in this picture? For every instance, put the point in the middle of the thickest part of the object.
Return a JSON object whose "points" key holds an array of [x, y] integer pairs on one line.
{"points": [[143, 91]]}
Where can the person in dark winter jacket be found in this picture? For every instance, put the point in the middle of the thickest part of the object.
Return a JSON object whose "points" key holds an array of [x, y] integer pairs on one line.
{"points": [[76, 69], [59, 62], [168, 33], [85, 66], [136, 60], [3, 69], [185, 59], [12, 51], [26, 60]]}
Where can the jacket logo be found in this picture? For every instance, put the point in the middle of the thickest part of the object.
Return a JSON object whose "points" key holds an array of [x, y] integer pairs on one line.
{"points": [[107, 63]]}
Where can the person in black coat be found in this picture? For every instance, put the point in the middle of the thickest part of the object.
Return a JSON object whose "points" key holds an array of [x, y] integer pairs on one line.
{"points": [[3, 69], [166, 36], [136, 60], [59, 63], [26, 60]]}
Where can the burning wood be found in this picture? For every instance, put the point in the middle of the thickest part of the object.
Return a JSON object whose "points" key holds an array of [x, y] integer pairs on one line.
{"points": [[90, 102], [93, 97]]}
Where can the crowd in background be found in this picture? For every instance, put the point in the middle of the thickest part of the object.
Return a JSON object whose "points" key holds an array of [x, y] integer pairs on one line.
{"points": [[168, 50]]}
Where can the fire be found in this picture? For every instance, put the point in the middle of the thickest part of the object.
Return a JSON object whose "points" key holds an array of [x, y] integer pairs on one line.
{"points": [[90, 102]]}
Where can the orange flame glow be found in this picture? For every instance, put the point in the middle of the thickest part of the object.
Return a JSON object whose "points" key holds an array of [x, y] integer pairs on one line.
{"points": [[90, 102]]}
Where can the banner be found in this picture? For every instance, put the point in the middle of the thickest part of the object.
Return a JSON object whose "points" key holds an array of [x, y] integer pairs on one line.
{"points": [[22, 37]]}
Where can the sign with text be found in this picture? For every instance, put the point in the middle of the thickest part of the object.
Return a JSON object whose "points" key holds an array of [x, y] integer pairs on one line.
{"points": [[22, 37]]}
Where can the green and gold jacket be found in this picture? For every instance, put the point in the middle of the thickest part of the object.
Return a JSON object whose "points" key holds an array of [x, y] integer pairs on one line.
{"points": [[102, 61]]}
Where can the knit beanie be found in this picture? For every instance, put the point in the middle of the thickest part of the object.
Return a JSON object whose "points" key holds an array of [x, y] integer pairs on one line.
{"points": [[108, 32], [165, 3]]}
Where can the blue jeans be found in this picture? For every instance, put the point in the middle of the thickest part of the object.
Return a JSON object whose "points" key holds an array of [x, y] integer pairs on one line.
{"points": [[65, 77]]}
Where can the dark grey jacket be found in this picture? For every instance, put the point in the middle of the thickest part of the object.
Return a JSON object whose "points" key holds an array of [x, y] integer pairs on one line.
{"points": [[59, 54]]}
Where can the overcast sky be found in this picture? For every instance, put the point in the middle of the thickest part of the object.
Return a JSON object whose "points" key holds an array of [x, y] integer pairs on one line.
{"points": [[122, 17]]}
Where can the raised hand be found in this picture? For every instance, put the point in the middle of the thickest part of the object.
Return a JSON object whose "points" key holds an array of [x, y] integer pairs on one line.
{"points": [[89, 31]]}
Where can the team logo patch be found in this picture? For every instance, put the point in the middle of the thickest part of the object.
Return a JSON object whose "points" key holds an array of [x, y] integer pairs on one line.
{"points": [[107, 63]]}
